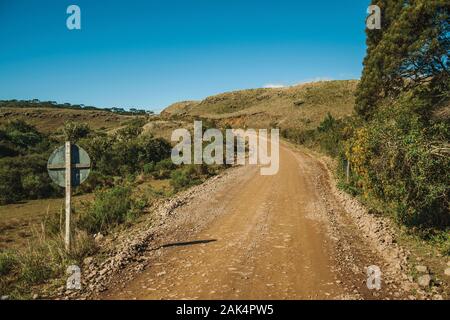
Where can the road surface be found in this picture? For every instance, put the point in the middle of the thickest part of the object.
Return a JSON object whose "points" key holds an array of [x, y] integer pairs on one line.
{"points": [[271, 237]]}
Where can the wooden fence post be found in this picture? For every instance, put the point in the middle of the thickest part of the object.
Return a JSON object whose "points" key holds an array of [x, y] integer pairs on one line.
{"points": [[68, 185]]}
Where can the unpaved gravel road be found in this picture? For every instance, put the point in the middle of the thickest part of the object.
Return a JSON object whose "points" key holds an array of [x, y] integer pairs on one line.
{"points": [[260, 237]]}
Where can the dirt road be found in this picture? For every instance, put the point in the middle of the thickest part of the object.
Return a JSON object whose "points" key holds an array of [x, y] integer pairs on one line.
{"points": [[260, 237]]}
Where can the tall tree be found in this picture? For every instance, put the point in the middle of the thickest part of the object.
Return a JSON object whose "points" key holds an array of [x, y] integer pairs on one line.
{"points": [[410, 49]]}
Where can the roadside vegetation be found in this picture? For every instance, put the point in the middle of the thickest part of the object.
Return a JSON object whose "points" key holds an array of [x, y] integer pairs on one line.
{"points": [[397, 142], [125, 163]]}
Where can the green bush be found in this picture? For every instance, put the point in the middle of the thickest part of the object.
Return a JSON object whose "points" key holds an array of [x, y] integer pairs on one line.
{"points": [[35, 266], [41, 260], [109, 209], [35, 186], [153, 149], [122, 155], [400, 152], [74, 131], [149, 168], [25, 177], [96, 180], [23, 159], [10, 184], [22, 134], [400, 159], [83, 245], [8, 261], [328, 136], [187, 176], [163, 169], [24, 153]]}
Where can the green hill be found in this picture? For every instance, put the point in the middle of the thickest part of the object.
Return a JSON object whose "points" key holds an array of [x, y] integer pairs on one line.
{"points": [[302, 106]]}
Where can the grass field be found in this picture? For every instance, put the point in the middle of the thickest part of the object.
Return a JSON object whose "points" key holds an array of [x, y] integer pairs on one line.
{"points": [[303, 106], [20, 221], [49, 120]]}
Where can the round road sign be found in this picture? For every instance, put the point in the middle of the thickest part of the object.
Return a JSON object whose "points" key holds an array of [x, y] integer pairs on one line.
{"points": [[80, 164]]}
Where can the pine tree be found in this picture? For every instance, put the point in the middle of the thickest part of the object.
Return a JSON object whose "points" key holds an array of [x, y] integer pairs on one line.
{"points": [[410, 50]]}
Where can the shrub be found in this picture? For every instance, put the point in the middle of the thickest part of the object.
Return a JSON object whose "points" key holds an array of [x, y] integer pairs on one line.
{"points": [[25, 177], [95, 181], [22, 134], [34, 264], [108, 153], [186, 176], [7, 262], [41, 260], [153, 149], [35, 186], [298, 135], [10, 184], [130, 132], [83, 245], [74, 131], [397, 159], [110, 208], [163, 169], [149, 168]]}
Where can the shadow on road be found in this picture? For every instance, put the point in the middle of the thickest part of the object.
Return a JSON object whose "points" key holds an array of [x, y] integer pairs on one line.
{"points": [[188, 243]]}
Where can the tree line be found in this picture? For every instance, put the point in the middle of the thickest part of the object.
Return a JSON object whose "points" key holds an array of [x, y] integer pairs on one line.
{"points": [[35, 103]]}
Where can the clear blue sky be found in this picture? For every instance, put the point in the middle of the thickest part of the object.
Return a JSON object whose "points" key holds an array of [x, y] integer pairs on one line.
{"points": [[152, 53]]}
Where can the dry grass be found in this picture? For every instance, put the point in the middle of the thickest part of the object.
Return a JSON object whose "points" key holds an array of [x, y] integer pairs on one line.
{"points": [[49, 120], [18, 220], [303, 106]]}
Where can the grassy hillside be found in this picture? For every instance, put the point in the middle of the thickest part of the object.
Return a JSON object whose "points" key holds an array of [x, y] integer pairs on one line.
{"points": [[303, 106], [48, 120]]}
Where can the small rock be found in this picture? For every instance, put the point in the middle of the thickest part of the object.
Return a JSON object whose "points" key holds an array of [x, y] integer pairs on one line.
{"points": [[422, 269], [103, 271], [4, 298], [447, 272], [35, 296], [98, 237], [438, 297], [388, 239], [424, 281], [88, 261], [160, 273], [140, 267]]}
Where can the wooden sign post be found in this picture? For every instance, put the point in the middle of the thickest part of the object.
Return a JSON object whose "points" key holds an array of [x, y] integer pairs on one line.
{"points": [[68, 166], [347, 171], [68, 186]]}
